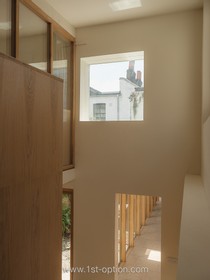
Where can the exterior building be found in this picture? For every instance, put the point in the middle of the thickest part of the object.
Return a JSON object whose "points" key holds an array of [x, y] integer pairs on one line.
{"points": [[126, 104]]}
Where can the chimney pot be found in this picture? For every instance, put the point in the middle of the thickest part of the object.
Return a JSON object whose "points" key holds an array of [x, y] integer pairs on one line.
{"points": [[131, 64], [139, 75]]}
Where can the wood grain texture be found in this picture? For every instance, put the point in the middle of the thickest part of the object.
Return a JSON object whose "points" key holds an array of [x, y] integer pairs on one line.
{"points": [[131, 221], [123, 229], [143, 210], [30, 173], [138, 217]]}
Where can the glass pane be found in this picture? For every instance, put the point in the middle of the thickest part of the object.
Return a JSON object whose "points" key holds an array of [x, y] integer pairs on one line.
{"points": [[99, 111], [119, 86], [66, 235], [33, 39], [61, 69], [5, 27]]}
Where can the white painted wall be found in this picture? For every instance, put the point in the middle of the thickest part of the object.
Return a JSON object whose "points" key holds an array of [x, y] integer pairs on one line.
{"points": [[149, 157], [68, 176], [120, 107], [111, 106], [194, 253], [206, 101], [126, 107]]}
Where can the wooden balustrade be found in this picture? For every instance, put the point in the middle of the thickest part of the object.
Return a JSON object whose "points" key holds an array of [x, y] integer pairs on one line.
{"points": [[133, 211]]}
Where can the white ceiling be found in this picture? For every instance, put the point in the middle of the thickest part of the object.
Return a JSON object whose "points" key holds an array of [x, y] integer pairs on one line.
{"points": [[90, 12]]}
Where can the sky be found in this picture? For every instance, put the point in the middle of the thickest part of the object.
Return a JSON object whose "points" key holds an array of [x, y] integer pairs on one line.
{"points": [[105, 77]]}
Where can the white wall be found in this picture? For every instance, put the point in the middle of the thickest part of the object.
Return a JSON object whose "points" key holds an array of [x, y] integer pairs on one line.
{"points": [[119, 106], [149, 157], [194, 250], [194, 253], [126, 106], [111, 106], [206, 101]]}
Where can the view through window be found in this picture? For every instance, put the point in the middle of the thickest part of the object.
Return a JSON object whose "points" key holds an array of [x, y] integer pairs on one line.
{"points": [[112, 87], [67, 202]]}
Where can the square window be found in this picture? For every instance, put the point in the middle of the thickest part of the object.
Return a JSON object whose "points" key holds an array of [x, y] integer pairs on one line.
{"points": [[112, 87]]}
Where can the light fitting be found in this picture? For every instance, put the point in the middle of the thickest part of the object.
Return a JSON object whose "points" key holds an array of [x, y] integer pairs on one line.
{"points": [[121, 5]]}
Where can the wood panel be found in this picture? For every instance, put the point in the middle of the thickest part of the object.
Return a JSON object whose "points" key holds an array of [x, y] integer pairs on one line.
{"points": [[134, 216], [151, 203], [148, 206], [143, 210], [123, 229], [131, 221], [138, 213], [30, 173]]}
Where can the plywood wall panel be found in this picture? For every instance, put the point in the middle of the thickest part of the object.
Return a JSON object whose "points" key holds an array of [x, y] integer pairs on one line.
{"points": [[30, 173]]}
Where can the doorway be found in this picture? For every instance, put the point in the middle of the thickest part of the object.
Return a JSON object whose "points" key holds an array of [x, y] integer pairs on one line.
{"points": [[138, 237]]}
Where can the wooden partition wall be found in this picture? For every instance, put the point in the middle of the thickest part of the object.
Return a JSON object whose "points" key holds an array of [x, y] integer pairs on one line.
{"points": [[30, 173]]}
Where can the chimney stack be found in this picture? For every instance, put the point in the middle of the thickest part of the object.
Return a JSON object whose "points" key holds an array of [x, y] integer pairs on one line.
{"points": [[138, 80], [139, 75], [131, 75], [131, 64]]}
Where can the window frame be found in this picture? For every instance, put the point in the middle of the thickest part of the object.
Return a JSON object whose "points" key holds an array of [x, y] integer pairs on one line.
{"points": [[52, 26], [71, 92]]}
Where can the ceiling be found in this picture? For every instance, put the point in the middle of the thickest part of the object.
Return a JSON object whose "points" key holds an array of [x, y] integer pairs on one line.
{"points": [[91, 12]]}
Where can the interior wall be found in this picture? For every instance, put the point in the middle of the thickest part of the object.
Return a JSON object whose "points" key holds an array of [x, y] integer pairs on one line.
{"points": [[206, 101], [149, 157], [194, 252]]}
